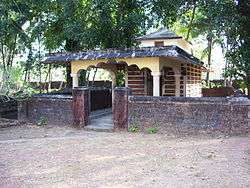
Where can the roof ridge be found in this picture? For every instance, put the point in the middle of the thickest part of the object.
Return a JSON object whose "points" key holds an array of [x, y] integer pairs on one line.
{"points": [[159, 34], [158, 30]]}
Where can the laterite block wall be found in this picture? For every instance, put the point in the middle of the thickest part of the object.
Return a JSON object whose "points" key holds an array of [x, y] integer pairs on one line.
{"points": [[57, 110], [178, 115]]}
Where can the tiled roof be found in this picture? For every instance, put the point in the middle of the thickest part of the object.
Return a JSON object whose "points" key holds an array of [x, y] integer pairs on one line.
{"points": [[166, 51], [160, 34]]}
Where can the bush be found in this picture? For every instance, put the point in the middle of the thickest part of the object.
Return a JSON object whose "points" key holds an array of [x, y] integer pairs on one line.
{"points": [[133, 129], [12, 84], [152, 130], [42, 121]]}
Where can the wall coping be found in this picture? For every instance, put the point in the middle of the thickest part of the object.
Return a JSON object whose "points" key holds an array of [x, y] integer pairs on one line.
{"points": [[213, 100], [51, 96], [122, 88], [81, 88]]}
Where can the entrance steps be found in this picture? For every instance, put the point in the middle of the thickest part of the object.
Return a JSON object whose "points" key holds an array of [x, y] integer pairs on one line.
{"points": [[100, 113], [101, 121]]}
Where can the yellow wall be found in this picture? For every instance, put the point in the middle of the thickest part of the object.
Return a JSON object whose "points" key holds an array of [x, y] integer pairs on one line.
{"points": [[148, 62], [168, 42]]}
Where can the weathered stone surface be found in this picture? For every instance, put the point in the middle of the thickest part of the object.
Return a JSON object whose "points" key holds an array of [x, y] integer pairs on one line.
{"points": [[188, 115], [81, 106], [55, 109], [120, 107], [8, 108], [217, 92], [9, 123]]}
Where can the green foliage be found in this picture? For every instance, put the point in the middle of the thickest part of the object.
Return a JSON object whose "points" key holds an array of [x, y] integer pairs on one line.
{"points": [[168, 12], [238, 41], [152, 130], [87, 24], [11, 35], [82, 78], [224, 22], [12, 84], [42, 121], [133, 129], [120, 79]]}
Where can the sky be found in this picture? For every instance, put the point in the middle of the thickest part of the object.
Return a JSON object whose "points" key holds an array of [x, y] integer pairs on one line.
{"points": [[218, 60]]}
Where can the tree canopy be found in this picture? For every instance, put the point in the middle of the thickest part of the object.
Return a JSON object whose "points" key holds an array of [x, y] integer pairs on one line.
{"points": [[33, 25]]}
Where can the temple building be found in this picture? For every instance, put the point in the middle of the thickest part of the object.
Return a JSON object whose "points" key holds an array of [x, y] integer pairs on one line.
{"points": [[162, 65]]}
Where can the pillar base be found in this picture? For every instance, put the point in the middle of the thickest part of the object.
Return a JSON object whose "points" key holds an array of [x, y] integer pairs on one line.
{"points": [[156, 83], [75, 79], [81, 106], [120, 108]]}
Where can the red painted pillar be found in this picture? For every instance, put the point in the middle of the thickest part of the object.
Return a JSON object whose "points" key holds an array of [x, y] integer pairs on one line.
{"points": [[120, 107], [81, 106]]}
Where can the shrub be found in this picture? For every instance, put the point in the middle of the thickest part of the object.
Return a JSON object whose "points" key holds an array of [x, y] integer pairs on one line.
{"points": [[133, 129], [152, 130], [12, 84], [42, 121]]}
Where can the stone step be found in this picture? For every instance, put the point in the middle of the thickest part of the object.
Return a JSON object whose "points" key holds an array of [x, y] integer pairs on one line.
{"points": [[98, 128], [102, 123], [100, 113]]}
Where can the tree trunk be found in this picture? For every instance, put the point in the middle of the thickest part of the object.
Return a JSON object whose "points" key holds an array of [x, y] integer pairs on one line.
{"points": [[69, 81], [248, 85], [210, 43], [191, 21], [25, 75], [47, 78], [3, 57], [50, 79], [248, 90], [40, 65]]}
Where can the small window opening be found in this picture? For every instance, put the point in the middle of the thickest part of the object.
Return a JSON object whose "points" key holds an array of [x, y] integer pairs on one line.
{"points": [[159, 43]]}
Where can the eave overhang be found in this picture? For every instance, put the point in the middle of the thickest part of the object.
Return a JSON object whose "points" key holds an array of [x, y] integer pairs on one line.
{"points": [[166, 51]]}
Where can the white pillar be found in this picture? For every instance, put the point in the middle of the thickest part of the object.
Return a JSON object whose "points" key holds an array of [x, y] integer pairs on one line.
{"points": [[177, 85], [156, 83], [75, 79], [113, 77], [126, 77]]}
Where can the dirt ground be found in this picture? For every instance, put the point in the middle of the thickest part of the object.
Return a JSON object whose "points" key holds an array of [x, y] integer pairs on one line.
{"points": [[65, 157]]}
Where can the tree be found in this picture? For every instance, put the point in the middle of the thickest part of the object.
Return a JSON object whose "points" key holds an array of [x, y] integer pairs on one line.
{"points": [[238, 36], [63, 25], [12, 36], [80, 25], [212, 19]]}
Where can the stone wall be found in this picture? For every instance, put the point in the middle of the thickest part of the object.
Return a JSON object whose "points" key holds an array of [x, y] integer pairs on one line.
{"points": [[217, 92], [176, 115], [8, 109], [55, 109]]}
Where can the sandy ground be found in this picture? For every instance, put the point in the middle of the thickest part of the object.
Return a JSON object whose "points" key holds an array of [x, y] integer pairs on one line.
{"points": [[66, 157]]}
